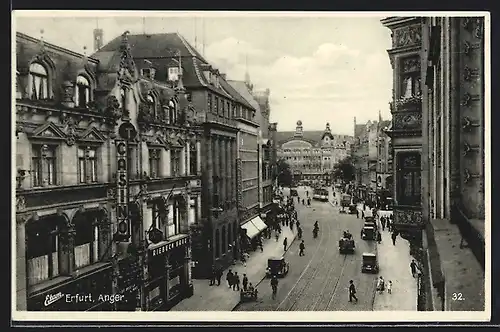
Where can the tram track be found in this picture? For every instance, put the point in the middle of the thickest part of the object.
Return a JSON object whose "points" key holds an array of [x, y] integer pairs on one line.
{"points": [[309, 273]]}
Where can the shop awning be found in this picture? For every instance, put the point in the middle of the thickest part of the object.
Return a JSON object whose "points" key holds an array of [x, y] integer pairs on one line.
{"points": [[252, 231], [259, 224]]}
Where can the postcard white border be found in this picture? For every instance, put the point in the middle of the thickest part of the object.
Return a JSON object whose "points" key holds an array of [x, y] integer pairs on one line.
{"points": [[273, 316]]}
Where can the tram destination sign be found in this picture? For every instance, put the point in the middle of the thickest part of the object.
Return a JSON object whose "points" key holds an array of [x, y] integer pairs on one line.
{"points": [[122, 215]]}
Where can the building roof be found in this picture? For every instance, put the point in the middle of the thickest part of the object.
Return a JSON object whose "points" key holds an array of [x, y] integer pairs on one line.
{"points": [[243, 91], [163, 50], [236, 93], [313, 136]]}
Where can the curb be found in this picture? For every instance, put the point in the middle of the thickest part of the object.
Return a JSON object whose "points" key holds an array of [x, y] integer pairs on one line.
{"points": [[263, 278]]}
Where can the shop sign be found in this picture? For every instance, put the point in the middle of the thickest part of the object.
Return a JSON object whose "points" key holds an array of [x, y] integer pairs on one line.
{"points": [[121, 190], [168, 246]]}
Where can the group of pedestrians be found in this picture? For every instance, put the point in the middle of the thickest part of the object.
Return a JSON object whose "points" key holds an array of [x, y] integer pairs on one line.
{"points": [[234, 281]]}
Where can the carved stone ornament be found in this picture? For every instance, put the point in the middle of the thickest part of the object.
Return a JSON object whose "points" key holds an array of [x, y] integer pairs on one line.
{"points": [[111, 193], [408, 120], [411, 65], [68, 92], [112, 108], [408, 36], [20, 203], [70, 124], [408, 217], [467, 99]]}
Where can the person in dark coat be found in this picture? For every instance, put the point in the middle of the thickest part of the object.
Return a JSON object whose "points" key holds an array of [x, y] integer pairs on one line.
{"points": [[245, 282], [394, 235], [302, 247], [236, 281], [299, 232], [362, 214], [357, 213], [218, 275], [285, 242], [379, 237], [229, 278], [212, 275], [382, 221], [352, 291]]}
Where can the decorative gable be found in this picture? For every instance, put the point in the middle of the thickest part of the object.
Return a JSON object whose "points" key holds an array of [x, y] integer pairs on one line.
{"points": [[92, 135], [157, 141], [48, 130]]}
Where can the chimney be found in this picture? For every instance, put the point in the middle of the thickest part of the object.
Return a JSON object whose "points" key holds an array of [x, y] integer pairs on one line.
{"points": [[98, 39]]}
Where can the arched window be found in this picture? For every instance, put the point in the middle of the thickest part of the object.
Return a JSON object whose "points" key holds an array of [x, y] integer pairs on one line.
{"points": [[151, 104], [172, 116], [224, 238], [217, 244], [39, 82], [82, 93], [86, 239]]}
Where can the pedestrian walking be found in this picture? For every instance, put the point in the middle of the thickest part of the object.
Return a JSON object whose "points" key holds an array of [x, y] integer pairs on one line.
{"points": [[285, 242], [229, 278], [388, 224], [413, 267], [357, 213], [303, 202], [277, 236], [380, 285], [212, 276], [291, 226], [362, 214], [379, 237], [302, 247], [236, 283], [274, 286], [389, 287], [219, 275], [299, 232], [352, 291], [261, 246], [245, 282], [382, 221], [394, 235]]}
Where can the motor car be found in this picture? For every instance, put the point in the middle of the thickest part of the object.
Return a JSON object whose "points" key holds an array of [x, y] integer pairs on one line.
{"points": [[369, 263], [277, 266], [346, 245], [248, 295], [368, 233]]}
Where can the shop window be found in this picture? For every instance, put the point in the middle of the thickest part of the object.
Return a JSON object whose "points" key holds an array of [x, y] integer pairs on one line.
{"points": [[43, 165], [82, 93], [224, 239], [87, 164], [154, 162], [408, 178], [42, 249], [39, 81], [175, 162], [217, 243], [87, 239], [173, 219]]}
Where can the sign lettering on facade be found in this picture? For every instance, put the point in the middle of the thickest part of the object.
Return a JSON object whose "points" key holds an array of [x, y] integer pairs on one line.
{"points": [[168, 246], [121, 190]]}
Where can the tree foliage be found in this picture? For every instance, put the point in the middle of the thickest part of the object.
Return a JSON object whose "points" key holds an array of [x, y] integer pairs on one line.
{"points": [[345, 170], [284, 173]]}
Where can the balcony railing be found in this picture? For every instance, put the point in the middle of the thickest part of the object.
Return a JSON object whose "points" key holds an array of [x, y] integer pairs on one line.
{"points": [[412, 103], [408, 216]]}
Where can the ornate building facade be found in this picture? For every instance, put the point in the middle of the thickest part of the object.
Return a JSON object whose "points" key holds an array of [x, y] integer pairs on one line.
{"points": [[438, 140], [312, 155], [168, 56], [249, 165], [97, 213]]}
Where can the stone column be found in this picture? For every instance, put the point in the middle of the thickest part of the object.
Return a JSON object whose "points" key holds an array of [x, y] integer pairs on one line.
{"points": [[188, 161], [209, 184], [222, 163], [216, 162], [198, 157], [234, 152], [183, 161], [21, 293], [229, 177]]}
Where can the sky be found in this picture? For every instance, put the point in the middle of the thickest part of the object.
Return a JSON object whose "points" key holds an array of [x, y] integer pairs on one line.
{"points": [[319, 68]]}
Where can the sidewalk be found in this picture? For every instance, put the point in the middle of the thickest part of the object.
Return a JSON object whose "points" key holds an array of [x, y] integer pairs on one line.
{"points": [[221, 298], [394, 262]]}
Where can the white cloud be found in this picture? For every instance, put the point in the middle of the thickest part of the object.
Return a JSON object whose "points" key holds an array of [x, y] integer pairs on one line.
{"points": [[332, 84]]}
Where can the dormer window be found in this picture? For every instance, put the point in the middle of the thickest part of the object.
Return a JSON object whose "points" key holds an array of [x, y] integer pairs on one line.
{"points": [[39, 81], [173, 74], [148, 72], [82, 96]]}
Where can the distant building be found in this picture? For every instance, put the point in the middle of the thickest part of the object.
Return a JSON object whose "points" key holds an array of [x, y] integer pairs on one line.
{"points": [[312, 155]]}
